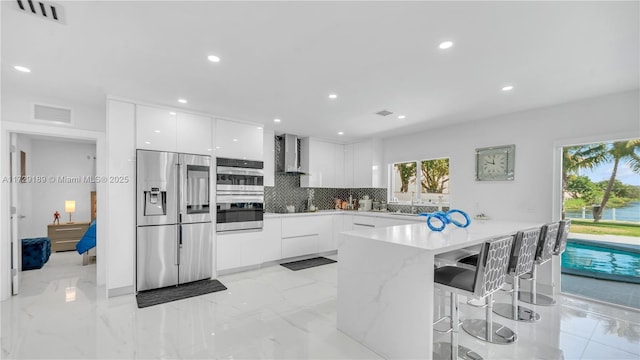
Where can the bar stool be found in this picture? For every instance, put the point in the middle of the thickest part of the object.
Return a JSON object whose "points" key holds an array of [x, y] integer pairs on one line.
{"points": [[555, 246], [481, 282], [523, 254]]}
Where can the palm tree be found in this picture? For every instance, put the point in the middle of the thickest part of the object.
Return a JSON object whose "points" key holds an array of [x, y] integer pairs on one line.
{"points": [[579, 157], [628, 151]]}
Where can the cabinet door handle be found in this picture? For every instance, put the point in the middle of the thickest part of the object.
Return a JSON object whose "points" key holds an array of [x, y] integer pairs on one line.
{"points": [[70, 229]]}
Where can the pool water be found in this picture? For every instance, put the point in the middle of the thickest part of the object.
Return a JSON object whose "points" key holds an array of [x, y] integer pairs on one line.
{"points": [[602, 260]]}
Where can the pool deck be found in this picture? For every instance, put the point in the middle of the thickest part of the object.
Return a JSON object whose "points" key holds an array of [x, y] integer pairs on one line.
{"points": [[629, 240]]}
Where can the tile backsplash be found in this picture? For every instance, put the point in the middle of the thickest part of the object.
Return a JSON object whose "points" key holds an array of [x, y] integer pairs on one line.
{"points": [[287, 191]]}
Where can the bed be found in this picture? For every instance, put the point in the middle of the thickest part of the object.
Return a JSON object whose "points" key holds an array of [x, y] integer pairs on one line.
{"points": [[86, 245]]}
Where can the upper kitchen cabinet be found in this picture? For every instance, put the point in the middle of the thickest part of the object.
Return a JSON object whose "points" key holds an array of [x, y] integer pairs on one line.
{"points": [[319, 160], [155, 128], [167, 130], [365, 164], [239, 140], [269, 153], [193, 134]]}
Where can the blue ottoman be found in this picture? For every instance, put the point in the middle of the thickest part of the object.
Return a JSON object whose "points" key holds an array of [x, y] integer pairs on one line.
{"points": [[35, 252]]}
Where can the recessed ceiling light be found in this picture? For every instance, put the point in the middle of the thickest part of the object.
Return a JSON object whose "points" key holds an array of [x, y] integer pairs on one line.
{"points": [[235, 139], [445, 45], [333, 96], [148, 142], [276, 120], [172, 113], [507, 88], [156, 131], [182, 101], [213, 58], [340, 133], [401, 116], [259, 127], [22, 69], [217, 147]]}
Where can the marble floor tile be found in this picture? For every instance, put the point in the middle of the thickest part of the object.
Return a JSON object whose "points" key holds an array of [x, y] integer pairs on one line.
{"points": [[271, 313]]}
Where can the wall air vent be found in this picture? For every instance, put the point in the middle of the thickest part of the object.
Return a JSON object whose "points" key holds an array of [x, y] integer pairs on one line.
{"points": [[384, 112], [42, 9], [55, 114]]}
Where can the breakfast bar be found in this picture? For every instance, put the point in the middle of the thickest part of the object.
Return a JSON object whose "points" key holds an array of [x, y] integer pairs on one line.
{"points": [[385, 282]]}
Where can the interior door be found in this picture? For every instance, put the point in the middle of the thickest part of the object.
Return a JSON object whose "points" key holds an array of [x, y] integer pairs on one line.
{"points": [[16, 246], [195, 252]]}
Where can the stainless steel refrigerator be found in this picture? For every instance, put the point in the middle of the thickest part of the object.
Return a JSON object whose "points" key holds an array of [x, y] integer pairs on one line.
{"points": [[173, 243]]}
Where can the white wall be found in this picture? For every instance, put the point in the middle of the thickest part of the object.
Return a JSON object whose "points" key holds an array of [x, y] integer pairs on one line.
{"points": [[121, 215], [536, 134], [17, 106], [60, 159]]}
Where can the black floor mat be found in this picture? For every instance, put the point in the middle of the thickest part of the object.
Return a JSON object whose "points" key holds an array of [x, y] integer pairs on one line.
{"points": [[173, 293], [308, 263]]}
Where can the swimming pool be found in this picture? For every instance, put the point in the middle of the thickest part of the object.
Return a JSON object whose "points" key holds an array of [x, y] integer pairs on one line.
{"points": [[602, 260]]}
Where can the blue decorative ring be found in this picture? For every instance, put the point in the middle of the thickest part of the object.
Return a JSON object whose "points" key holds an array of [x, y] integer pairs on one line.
{"points": [[445, 218], [456, 223]]}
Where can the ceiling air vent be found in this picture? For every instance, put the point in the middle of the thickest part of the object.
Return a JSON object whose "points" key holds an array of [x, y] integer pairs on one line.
{"points": [[384, 112], [50, 113], [42, 9]]}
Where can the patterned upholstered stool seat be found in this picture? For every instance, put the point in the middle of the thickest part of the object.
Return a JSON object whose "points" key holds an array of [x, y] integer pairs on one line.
{"points": [[35, 252]]}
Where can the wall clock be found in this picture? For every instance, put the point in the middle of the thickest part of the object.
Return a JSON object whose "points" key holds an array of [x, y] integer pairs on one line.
{"points": [[495, 163]]}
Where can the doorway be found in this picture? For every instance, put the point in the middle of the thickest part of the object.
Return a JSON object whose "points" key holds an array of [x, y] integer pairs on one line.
{"points": [[8, 267], [53, 199], [601, 195]]}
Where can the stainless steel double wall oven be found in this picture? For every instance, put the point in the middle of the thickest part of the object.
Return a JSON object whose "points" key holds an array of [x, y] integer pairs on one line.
{"points": [[240, 194]]}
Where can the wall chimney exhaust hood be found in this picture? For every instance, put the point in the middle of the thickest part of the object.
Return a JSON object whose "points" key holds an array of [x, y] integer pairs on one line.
{"points": [[288, 154]]}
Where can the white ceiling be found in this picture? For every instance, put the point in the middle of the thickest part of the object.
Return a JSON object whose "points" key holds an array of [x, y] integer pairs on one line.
{"points": [[282, 59]]}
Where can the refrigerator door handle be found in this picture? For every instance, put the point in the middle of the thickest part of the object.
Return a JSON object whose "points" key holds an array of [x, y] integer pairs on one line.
{"points": [[179, 244], [181, 194]]}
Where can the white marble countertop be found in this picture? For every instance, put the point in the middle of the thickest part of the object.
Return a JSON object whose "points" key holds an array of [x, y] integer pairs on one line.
{"points": [[384, 214], [452, 237]]}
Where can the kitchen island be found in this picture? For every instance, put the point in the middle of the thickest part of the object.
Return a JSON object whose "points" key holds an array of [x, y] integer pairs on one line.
{"points": [[385, 282]]}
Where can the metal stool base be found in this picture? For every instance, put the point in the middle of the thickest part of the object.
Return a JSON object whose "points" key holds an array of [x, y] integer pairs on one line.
{"points": [[501, 334], [524, 314], [535, 299], [442, 350]]}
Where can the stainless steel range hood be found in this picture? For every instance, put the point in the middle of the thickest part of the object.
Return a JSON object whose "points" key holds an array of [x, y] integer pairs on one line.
{"points": [[288, 155]]}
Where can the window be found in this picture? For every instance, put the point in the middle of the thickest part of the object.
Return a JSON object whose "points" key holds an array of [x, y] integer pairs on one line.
{"points": [[433, 178]]}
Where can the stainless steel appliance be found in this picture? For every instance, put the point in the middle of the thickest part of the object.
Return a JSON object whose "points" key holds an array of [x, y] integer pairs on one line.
{"points": [[173, 243], [239, 194]]}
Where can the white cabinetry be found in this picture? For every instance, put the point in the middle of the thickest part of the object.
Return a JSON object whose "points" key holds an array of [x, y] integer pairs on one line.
{"points": [[347, 172], [193, 134], [155, 128], [367, 164], [363, 222], [238, 140], [167, 130], [322, 161], [305, 235], [247, 248], [269, 158], [271, 240]]}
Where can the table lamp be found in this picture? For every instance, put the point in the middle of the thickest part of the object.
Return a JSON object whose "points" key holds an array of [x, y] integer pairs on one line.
{"points": [[70, 207]]}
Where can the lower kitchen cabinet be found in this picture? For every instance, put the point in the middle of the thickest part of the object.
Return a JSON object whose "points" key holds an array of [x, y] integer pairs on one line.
{"points": [[271, 240], [228, 251], [300, 245], [306, 235]]}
